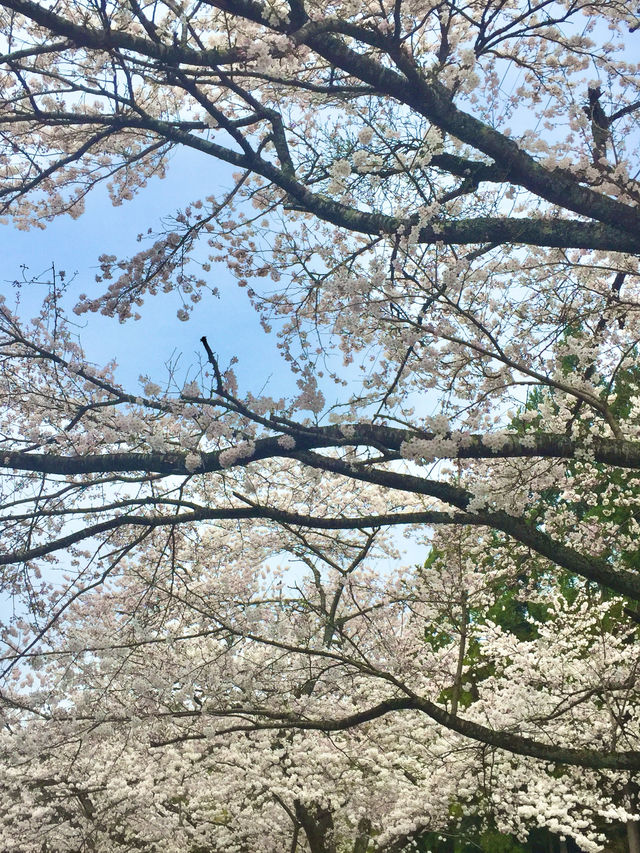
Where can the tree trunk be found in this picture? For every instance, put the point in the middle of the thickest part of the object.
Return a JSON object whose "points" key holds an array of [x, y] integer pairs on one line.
{"points": [[362, 840], [317, 824], [633, 836]]}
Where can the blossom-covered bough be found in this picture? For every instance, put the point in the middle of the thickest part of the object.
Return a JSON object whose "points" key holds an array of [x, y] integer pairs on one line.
{"points": [[216, 643]]}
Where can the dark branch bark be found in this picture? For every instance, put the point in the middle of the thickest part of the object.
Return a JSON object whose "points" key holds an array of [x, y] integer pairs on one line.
{"points": [[618, 224], [108, 39], [619, 453], [592, 568], [430, 99], [510, 741]]}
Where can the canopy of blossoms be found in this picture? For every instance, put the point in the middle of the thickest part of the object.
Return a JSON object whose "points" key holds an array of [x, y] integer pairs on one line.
{"points": [[216, 642]]}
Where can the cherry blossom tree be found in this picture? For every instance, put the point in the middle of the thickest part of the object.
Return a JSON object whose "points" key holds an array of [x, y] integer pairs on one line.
{"points": [[436, 207], [169, 725]]}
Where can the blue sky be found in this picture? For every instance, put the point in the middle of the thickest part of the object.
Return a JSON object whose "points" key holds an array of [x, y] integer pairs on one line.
{"points": [[144, 346]]}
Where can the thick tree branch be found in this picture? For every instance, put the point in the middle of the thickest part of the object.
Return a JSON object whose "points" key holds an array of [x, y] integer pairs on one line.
{"points": [[510, 741], [619, 453]]}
